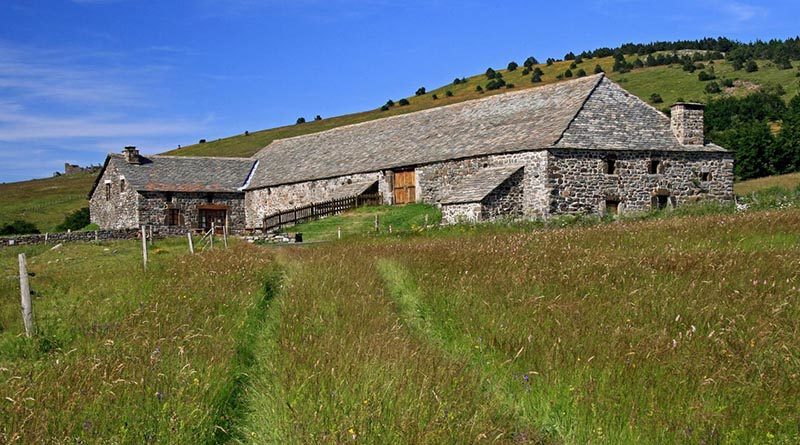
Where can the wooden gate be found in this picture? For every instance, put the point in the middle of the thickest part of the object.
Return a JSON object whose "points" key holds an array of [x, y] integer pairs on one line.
{"points": [[405, 187]]}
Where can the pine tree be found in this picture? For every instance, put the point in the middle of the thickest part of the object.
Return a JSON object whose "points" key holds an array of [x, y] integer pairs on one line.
{"points": [[530, 61], [512, 66]]}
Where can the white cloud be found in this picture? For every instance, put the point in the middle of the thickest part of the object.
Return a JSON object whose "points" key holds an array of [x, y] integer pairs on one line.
{"points": [[742, 12]]}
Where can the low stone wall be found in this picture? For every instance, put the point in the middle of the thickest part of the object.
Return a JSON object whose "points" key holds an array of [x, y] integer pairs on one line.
{"points": [[66, 237], [469, 212], [97, 235]]}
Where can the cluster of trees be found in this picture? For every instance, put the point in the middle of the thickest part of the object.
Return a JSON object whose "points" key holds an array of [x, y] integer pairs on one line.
{"points": [[302, 120], [745, 126], [18, 227], [775, 49]]}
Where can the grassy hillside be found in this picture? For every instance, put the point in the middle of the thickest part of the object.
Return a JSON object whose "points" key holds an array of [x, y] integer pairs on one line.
{"points": [[788, 182], [671, 82], [44, 202], [678, 330]]}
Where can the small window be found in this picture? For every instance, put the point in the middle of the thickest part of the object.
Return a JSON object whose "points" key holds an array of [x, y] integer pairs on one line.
{"points": [[173, 217], [660, 202], [705, 176], [653, 166], [108, 191], [612, 207], [611, 165], [121, 185]]}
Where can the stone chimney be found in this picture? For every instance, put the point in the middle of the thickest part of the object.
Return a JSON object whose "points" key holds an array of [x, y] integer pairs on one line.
{"points": [[687, 123], [132, 155]]}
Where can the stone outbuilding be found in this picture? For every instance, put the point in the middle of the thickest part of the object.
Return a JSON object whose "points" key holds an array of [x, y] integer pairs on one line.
{"points": [[171, 193], [582, 146]]}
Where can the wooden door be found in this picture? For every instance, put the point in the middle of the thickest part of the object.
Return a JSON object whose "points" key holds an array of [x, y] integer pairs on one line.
{"points": [[209, 216], [405, 187]]}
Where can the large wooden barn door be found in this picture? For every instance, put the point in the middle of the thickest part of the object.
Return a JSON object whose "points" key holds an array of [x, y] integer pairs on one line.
{"points": [[405, 187]]}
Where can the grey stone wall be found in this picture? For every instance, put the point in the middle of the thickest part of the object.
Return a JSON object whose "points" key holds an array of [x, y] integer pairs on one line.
{"points": [[687, 123], [436, 181], [461, 213], [262, 202], [66, 237], [153, 207], [119, 209], [577, 181], [505, 202]]}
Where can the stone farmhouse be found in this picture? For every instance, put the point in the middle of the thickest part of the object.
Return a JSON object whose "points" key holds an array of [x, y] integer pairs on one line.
{"points": [[169, 192], [581, 146]]}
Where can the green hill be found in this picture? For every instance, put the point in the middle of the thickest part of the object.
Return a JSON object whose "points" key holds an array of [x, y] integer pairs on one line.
{"points": [[44, 202], [670, 82]]}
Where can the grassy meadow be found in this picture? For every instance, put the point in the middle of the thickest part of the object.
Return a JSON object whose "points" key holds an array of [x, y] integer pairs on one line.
{"points": [[675, 328], [127, 357], [44, 202]]}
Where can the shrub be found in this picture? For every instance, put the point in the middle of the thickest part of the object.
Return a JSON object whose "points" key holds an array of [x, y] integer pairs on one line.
{"points": [[727, 83], [598, 69], [448, 93], [550, 61], [538, 71], [201, 141], [456, 81], [637, 63], [525, 71], [536, 78], [390, 103], [435, 97], [704, 76], [509, 85], [581, 73], [403, 102], [712, 88], [688, 65], [573, 65], [385, 108], [420, 91], [512, 66], [495, 84], [751, 66], [301, 120], [656, 98], [569, 56], [479, 89], [560, 76], [318, 118], [75, 220], [491, 73], [568, 73], [19, 227], [246, 133], [530, 61], [578, 59], [650, 60]]}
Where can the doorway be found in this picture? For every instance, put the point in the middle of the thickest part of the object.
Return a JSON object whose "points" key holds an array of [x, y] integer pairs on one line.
{"points": [[215, 216], [405, 187]]}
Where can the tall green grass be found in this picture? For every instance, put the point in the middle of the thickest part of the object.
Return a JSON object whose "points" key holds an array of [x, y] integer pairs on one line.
{"points": [[127, 357]]}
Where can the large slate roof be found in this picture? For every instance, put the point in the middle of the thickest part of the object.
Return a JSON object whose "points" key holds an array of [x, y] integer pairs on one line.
{"points": [[585, 113], [515, 121], [183, 173], [478, 186]]}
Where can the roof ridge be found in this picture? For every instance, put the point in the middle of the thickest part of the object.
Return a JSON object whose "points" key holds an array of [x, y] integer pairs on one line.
{"points": [[600, 77], [443, 107], [219, 158]]}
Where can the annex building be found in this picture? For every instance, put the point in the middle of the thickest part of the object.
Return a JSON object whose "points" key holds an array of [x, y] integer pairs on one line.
{"points": [[580, 146]]}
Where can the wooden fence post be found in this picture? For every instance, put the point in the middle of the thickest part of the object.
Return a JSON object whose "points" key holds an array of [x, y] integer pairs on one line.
{"points": [[191, 243], [339, 232], [426, 220], [150, 237], [390, 228], [46, 236], [213, 229], [25, 292], [376, 222], [144, 247], [225, 236], [96, 237]]}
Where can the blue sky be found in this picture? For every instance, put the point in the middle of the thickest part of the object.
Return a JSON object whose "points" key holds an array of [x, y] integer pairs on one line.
{"points": [[81, 78]]}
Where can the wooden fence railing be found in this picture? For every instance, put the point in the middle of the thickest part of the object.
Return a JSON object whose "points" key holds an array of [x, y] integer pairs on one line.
{"points": [[318, 209]]}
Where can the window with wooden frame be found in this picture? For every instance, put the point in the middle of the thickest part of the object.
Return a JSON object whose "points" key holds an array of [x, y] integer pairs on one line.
{"points": [[108, 191], [174, 217]]}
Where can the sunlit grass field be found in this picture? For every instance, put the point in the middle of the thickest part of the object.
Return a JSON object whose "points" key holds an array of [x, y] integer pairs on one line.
{"points": [[44, 202], [671, 328]]}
